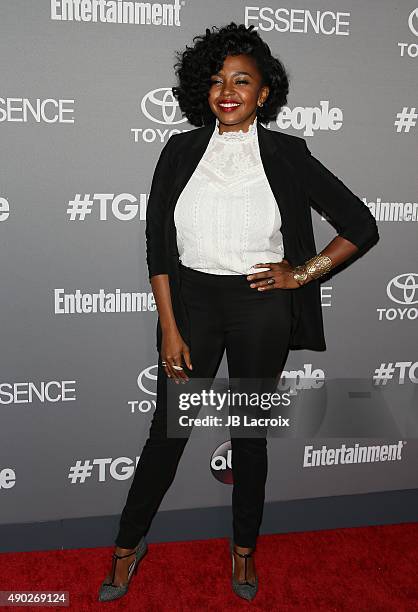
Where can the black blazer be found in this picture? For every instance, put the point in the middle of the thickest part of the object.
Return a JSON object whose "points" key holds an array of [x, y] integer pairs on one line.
{"points": [[298, 181]]}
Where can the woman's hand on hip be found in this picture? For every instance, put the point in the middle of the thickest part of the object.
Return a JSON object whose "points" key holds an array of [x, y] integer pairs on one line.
{"points": [[280, 276], [173, 348]]}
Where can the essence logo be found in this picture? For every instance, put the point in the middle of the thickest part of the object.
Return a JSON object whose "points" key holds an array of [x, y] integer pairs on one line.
{"points": [[24, 110], [221, 463], [298, 21], [46, 392]]}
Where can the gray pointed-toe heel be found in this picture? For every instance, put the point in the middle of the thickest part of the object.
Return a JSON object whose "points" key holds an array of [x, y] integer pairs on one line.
{"points": [[109, 591], [246, 590]]}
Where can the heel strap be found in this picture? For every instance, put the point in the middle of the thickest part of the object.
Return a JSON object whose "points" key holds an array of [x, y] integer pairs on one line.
{"points": [[123, 556], [115, 558], [244, 555]]}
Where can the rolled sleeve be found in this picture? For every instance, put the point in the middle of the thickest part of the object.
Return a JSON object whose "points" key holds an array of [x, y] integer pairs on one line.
{"points": [[350, 216], [156, 243]]}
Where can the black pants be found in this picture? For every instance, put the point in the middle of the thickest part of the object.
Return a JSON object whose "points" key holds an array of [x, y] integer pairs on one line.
{"points": [[254, 328]]}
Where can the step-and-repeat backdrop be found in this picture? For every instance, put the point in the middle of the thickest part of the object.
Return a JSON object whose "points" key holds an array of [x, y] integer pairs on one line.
{"points": [[85, 109]]}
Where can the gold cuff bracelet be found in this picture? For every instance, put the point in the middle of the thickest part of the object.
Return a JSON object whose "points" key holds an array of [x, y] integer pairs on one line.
{"points": [[312, 268]]}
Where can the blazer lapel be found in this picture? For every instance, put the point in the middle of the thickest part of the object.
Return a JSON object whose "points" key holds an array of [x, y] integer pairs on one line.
{"points": [[284, 185], [277, 167], [187, 162]]}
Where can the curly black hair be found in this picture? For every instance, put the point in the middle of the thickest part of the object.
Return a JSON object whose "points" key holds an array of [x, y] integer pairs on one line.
{"points": [[195, 65]]}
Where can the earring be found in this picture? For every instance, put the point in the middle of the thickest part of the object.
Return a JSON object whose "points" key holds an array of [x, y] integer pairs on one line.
{"points": [[261, 104]]}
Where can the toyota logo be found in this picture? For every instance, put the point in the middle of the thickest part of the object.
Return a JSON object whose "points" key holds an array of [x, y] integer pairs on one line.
{"points": [[402, 289], [413, 17], [146, 380], [160, 106]]}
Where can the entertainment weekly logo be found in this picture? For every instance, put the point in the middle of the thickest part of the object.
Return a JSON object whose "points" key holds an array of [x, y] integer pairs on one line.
{"points": [[116, 301], [393, 212], [165, 14], [161, 108], [324, 456]]}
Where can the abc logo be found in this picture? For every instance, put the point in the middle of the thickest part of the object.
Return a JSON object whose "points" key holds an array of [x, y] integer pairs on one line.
{"points": [[221, 463]]}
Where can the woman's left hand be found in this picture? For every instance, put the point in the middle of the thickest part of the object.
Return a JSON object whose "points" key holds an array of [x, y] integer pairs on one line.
{"points": [[281, 272]]}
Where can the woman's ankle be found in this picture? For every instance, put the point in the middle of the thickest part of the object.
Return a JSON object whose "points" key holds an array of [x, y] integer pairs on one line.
{"points": [[120, 550]]}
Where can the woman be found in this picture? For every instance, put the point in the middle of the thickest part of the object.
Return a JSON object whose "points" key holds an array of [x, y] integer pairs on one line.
{"points": [[233, 266]]}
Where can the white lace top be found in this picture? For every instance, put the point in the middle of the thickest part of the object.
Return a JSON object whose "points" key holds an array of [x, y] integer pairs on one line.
{"points": [[226, 217]]}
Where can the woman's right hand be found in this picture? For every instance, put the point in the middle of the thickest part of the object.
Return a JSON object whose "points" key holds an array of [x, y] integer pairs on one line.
{"points": [[173, 348]]}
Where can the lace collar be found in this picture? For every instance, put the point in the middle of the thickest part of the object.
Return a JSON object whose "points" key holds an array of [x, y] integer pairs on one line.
{"points": [[237, 135]]}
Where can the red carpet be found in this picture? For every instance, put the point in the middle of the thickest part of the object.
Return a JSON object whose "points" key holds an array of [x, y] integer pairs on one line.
{"points": [[357, 569]]}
